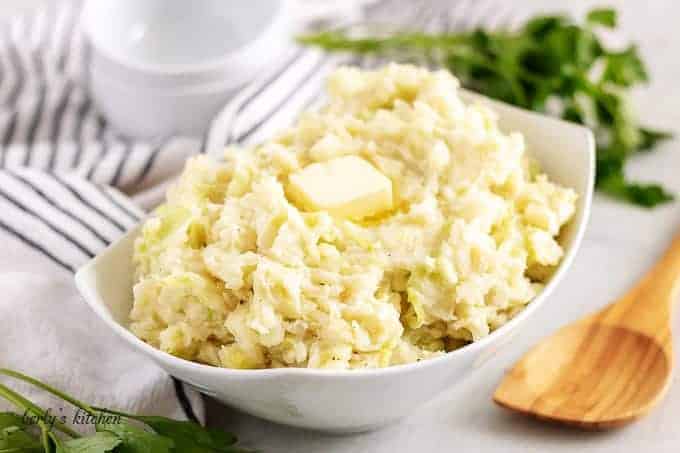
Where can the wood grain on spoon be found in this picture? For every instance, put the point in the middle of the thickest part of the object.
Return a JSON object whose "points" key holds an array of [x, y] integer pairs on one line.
{"points": [[607, 369]]}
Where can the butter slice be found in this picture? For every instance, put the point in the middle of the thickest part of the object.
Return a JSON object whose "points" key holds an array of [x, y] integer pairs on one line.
{"points": [[347, 187]]}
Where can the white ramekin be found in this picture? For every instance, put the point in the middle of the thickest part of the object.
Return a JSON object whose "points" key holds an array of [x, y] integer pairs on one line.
{"points": [[161, 67]]}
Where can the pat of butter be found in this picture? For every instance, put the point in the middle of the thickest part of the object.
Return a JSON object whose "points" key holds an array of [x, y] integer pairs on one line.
{"points": [[348, 187]]}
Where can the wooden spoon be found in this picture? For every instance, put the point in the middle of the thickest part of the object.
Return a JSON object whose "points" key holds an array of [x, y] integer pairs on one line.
{"points": [[607, 369]]}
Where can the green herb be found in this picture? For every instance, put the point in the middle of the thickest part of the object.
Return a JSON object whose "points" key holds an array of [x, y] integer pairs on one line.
{"points": [[189, 437], [10, 420], [97, 443], [129, 434], [604, 16], [551, 64], [17, 439], [137, 440]]}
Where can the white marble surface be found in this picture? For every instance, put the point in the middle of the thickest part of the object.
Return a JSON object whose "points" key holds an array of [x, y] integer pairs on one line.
{"points": [[621, 242]]}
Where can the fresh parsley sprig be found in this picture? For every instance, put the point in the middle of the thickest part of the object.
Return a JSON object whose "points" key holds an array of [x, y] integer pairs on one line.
{"points": [[130, 434], [551, 64]]}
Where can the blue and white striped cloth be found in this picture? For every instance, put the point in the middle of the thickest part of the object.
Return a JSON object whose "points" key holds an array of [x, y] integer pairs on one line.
{"points": [[70, 185]]}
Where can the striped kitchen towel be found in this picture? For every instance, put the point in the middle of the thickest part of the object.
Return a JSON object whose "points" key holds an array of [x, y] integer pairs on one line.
{"points": [[70, 185]]}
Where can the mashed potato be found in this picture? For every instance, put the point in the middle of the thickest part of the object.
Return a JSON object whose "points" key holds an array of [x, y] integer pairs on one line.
{"points": [[232, 272]]}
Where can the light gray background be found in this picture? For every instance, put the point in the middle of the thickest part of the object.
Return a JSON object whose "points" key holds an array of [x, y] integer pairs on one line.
{"points": [[621, 242]]}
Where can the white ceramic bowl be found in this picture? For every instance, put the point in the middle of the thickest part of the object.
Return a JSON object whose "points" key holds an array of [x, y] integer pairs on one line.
{"points": [[357, 400], [142, 112], [149, 51]]}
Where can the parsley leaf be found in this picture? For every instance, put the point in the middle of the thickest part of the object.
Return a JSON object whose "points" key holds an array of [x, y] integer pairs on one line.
{"points": [[649, 138], [137, 440], [9, 419], [625, 68], [101, 442], [14, 438], [549, 58], [190, 437], [646, 195], [160, 435], [604, 16], [612, 182]]}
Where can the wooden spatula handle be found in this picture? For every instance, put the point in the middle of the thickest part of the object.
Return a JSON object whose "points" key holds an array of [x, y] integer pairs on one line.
{"points": [[648, 306]]}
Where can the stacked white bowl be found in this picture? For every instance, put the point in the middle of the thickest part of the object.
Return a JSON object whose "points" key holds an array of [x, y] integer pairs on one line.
{"points": [[166, 67]]}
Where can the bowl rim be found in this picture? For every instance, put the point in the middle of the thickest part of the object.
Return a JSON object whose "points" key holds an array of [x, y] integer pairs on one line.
{"points": [[365, 373], [277, 24]]}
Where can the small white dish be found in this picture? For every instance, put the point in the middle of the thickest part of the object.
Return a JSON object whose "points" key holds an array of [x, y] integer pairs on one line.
{"points": [[140, 111], [357, 400], [161, 49]]}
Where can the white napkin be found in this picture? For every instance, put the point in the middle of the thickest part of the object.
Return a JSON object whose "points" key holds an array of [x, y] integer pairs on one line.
{"points": [[61, 169]]}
